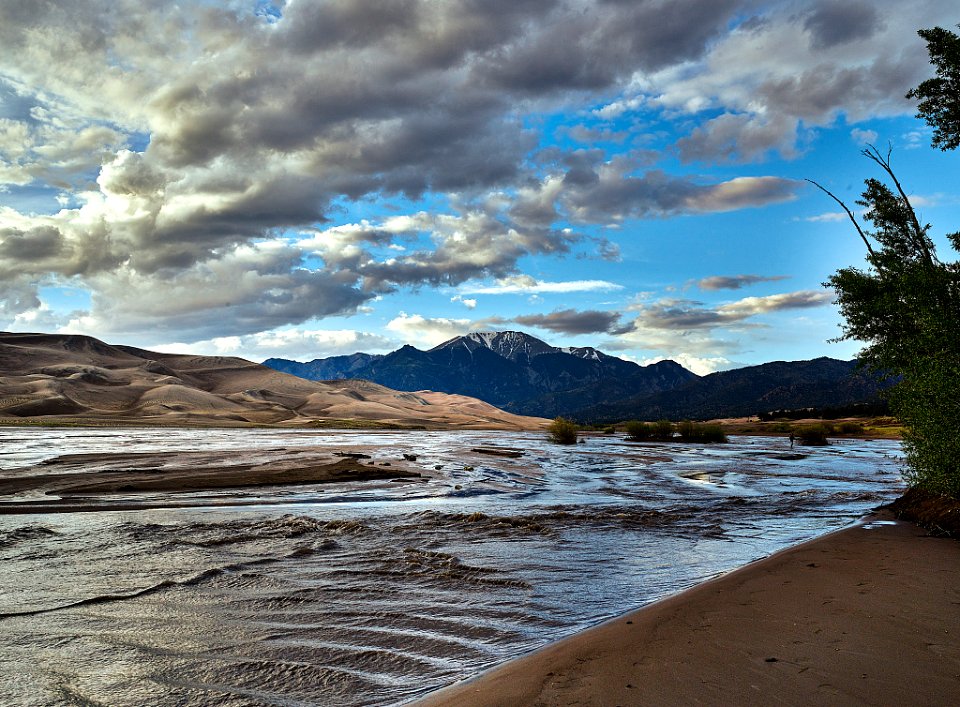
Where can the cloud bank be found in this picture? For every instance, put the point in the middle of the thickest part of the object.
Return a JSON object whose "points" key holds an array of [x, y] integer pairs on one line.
{"points": [[202, 155]]}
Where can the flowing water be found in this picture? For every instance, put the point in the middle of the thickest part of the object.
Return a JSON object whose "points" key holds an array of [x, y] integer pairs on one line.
{"points": [[364, 594]]}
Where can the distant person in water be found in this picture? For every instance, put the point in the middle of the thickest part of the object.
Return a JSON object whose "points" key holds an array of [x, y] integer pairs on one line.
{"points": [[791, 440]]}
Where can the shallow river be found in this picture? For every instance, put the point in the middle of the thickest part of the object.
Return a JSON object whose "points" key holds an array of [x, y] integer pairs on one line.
{"points": [[358, 595]]}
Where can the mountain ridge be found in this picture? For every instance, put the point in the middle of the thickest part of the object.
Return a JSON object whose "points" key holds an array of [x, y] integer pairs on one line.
{"points": [[512, 370], [525, 375]]}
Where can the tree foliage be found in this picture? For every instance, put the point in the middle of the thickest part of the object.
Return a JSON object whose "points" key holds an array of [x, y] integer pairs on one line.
{"points": [[906, 308], [940, 96]]}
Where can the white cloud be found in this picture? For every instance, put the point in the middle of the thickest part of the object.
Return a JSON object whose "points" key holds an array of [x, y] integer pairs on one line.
{"points": [[468, 303], [864, 137], [829, 217], [706, 336], [296, 344], [752, 306], [524, 284], [701, 365], [428, 332]]}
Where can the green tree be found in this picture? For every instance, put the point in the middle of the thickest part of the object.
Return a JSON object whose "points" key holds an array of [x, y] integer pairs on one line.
{"points": [[940, 96], [905, 306]]}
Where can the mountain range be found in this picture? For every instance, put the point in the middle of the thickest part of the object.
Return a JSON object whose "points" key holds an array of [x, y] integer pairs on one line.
{"points": [[522, 374], [78, 379]]}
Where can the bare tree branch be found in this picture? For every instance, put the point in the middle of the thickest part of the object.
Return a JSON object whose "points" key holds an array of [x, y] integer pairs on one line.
{"points": [[853, 219], [871, 152]]}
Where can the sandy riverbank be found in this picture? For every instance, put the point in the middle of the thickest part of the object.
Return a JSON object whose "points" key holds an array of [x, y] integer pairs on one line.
{"points": [[866, 615]]}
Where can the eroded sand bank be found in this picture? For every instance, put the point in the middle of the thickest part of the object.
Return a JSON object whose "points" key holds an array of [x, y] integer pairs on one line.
{"points": [[124, 481]]}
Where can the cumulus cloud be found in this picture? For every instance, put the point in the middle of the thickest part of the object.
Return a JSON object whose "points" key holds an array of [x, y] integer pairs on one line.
{"points": [[477, 242], [701, 365], [247, 289], [187, 141], [428, 332], [735, 282], [690, 346], [788, 69]]}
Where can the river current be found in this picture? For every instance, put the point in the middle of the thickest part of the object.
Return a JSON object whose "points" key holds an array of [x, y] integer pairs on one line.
{"points": [[354, 594]]}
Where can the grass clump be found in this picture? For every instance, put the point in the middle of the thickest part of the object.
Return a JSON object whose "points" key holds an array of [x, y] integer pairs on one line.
{"points": [[813, 436], [699, 432], [563, 431]]}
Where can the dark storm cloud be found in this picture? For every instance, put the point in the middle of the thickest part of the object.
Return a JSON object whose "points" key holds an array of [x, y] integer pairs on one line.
{"points": [[836, 22], [26, 247], [588, 48], [313, 27]]}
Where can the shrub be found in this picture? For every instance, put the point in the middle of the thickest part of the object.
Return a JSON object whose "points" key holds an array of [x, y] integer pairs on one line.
{"points": [[563, 431], [813, 436], [639, 431], [660, 431], [698, 432], [663, 430], [850, 428]]}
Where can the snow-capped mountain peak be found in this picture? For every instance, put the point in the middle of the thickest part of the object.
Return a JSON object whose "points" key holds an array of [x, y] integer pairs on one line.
{"points": [[509, 344]]}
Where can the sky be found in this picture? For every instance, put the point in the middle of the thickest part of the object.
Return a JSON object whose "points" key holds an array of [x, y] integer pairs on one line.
{"points": [[312, 178]]}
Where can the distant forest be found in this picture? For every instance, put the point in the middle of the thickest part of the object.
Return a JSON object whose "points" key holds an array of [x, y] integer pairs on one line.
{"points": [[869, 409]]}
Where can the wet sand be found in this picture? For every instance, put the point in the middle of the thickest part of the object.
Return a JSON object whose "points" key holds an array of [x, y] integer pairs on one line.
{"points": [[119, 481], [866, 615]]}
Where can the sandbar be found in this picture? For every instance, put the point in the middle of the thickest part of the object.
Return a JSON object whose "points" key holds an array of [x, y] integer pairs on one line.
{"points": [[867, 615]]}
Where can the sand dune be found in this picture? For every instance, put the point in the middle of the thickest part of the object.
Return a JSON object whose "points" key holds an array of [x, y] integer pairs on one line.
{"points": [[71, 378]]}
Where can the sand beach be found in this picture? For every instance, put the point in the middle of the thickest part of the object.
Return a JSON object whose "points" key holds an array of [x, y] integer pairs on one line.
{"points": [[867, 615]]}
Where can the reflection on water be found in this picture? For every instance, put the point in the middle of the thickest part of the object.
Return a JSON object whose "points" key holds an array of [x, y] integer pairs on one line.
{"points": [[358, 595]]}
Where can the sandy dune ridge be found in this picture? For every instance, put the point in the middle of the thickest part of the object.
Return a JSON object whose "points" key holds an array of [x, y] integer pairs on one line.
{"points": [[72, 378]]}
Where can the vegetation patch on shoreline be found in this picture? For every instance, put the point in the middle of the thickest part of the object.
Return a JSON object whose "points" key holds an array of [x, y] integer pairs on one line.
{"points": [[938, 513]]}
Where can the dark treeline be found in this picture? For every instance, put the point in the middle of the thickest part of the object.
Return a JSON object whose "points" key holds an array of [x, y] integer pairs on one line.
{"points": [[875, 408]]}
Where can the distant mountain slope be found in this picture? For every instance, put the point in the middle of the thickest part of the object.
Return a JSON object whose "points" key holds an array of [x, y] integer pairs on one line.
{"points": [[509, 369], [80, 378], [520, 373], [822, 382], [324, 369]]}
